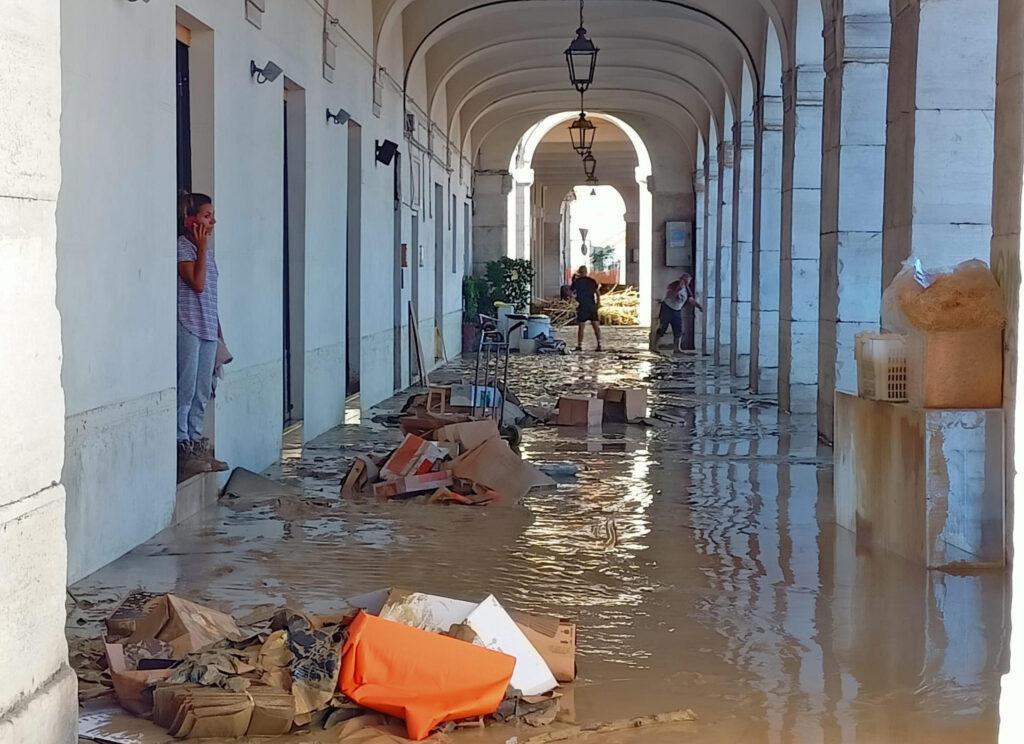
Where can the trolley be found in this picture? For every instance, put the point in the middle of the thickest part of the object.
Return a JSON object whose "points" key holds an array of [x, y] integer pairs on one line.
{"points": [[492, 374]]}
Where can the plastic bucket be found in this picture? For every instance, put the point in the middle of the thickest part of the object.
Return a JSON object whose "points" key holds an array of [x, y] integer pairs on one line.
{"points": [[537, 325]]}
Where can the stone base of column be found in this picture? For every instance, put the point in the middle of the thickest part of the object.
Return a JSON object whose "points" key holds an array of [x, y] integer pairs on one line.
{"points": [[48, 716], [803, 398]]}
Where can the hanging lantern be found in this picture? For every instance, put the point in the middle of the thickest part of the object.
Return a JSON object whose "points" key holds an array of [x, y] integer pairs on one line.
{"points": [[582, 132], [581, 57], [589, 165]]}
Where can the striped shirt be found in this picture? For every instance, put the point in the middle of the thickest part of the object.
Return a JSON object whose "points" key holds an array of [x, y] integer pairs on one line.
{"points": [[197, 312]]}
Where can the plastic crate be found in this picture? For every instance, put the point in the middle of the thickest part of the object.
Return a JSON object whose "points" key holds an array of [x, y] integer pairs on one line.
{"points": [[881, 366]]}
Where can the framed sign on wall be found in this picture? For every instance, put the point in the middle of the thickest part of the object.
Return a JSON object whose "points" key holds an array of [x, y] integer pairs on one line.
{"points": [[677, 243]]}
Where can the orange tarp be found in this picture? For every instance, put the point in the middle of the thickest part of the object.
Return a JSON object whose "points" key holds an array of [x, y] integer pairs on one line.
{"points": [[423, 677]]}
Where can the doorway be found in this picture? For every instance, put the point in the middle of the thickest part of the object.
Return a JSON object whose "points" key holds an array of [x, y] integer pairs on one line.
{"points": [[397, 308], [353, 292], [439, 209], [293, 252], [415, 261]]}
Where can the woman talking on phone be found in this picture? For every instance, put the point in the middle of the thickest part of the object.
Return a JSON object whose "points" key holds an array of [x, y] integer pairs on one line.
{"points": [[198, 326]]}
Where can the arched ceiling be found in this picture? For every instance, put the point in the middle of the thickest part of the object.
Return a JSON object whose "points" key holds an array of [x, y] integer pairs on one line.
{"points": [[680, 65]]}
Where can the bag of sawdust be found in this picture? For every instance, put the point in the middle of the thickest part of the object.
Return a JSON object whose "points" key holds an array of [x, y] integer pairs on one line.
{"points": [[965, 297]]}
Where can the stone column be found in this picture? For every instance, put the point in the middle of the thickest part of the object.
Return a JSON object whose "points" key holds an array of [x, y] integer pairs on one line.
{"points": [[705, 281], [723, 254], [801, 239], [700, 250], [746, 164], [522, 226], [552, 280], [632, 251], [938, 175], [490, 217], [1008, 183], [852, 181], [764, 334], [38, 689]]}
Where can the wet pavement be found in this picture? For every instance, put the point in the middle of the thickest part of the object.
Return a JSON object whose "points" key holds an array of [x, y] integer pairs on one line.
{"points": [[698, 555]]}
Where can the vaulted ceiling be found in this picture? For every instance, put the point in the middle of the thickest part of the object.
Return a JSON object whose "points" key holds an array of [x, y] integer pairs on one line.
{"points": [[486, 70]]}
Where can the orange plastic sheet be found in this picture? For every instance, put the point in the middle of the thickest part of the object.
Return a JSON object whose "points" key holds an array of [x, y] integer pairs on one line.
{"points": [[423, 677]]}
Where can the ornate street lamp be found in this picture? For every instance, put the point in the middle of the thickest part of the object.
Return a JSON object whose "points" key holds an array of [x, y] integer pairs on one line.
{"points": [[582, 132], [589, 165], [581, 57]]}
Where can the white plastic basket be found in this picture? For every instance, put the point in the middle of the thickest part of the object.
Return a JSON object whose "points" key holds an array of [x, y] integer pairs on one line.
{"points": [[881, 366]]}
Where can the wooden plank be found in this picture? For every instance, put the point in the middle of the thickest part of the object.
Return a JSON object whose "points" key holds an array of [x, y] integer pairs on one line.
{"points": [[414, 325], [183, 34]]}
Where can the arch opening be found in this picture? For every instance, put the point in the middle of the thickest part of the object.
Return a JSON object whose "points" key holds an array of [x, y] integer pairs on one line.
{"points": [[544, 169]]}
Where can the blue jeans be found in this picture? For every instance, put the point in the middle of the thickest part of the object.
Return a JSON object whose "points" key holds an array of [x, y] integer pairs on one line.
{"points": [[196, 359]]}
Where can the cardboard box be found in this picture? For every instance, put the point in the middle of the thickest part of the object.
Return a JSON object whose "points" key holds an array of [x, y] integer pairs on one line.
{"points": [[955, 369], [412, 484], [414, 456], [624, 405], [554, 638], [578, 410]]}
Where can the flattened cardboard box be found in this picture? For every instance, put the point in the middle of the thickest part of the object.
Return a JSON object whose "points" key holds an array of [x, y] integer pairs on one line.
{"points": [[554, 638]]}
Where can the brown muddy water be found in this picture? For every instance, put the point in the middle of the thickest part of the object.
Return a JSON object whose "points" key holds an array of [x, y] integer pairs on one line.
{"points": [[699, 557]]}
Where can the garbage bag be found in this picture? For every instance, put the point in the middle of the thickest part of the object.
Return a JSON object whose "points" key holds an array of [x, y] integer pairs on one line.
{"points": [[964, 297], [422, 677]]}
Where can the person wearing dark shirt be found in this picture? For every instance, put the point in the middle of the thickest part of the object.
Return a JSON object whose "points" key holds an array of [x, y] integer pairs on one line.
{"points": [[588, 303]]}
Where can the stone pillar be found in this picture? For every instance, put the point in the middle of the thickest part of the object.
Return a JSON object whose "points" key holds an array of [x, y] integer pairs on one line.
{"points": [[490, 217], [723, 254], [1008, 183], [38, 689], [522, 226], [705, 281], [764, 333], [801, 239], [746, 163], [552, 280], [939, 140], [700, 250], [852, 180]]}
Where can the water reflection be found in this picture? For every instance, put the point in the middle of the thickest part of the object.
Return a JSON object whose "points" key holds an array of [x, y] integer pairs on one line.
{"points": [[700, 559]]}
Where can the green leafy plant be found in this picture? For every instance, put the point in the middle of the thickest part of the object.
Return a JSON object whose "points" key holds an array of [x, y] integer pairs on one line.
{"points": [[603, 258], [474, 297], [511, 280]]}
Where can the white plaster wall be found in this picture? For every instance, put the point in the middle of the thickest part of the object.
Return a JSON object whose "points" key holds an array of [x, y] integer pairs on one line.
{"points": [[116, 232], [37, 689]]}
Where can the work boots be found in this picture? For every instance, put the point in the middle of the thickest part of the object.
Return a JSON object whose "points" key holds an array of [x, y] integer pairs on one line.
{"points": [[190, 462], [204, 450]]}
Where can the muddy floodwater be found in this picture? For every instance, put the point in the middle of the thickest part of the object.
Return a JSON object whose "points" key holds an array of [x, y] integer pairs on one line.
{"points": [[698, 555]]}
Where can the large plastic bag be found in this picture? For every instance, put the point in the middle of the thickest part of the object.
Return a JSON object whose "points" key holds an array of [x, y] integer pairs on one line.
{"points": [[964, 297], [423, 677]]}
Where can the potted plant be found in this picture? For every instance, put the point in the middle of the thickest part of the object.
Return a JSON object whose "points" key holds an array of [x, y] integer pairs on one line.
{"points": [[474, 301]]}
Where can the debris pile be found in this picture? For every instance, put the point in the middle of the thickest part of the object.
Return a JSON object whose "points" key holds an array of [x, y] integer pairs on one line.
{"points": [[462, 463], [620, 306], [427, 660]]}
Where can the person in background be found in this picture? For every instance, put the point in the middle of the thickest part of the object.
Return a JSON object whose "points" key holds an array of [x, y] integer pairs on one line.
{"points": [[198, 332], [678, 295], [588, 304]]}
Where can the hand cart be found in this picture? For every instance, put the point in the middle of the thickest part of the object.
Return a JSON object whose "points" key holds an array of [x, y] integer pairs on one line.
{"points": [[492, 375]]}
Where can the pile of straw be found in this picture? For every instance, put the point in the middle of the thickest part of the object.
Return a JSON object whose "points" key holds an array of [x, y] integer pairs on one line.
{"points": [[619, 306]]}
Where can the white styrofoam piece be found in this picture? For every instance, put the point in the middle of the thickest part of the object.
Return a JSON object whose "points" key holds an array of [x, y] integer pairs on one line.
{"points": [[497, 631]]}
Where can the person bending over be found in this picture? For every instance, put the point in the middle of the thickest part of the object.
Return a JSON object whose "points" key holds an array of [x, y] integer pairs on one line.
{"points": [[588, 304]]}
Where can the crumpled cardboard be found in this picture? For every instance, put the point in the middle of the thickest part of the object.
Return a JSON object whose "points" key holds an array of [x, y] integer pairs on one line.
{"points": [[494, 465], [185, 626], [133, 688], [414, 456], [467, 435], [624, 405], [412, 484], [361, 475], [555, 640]]}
